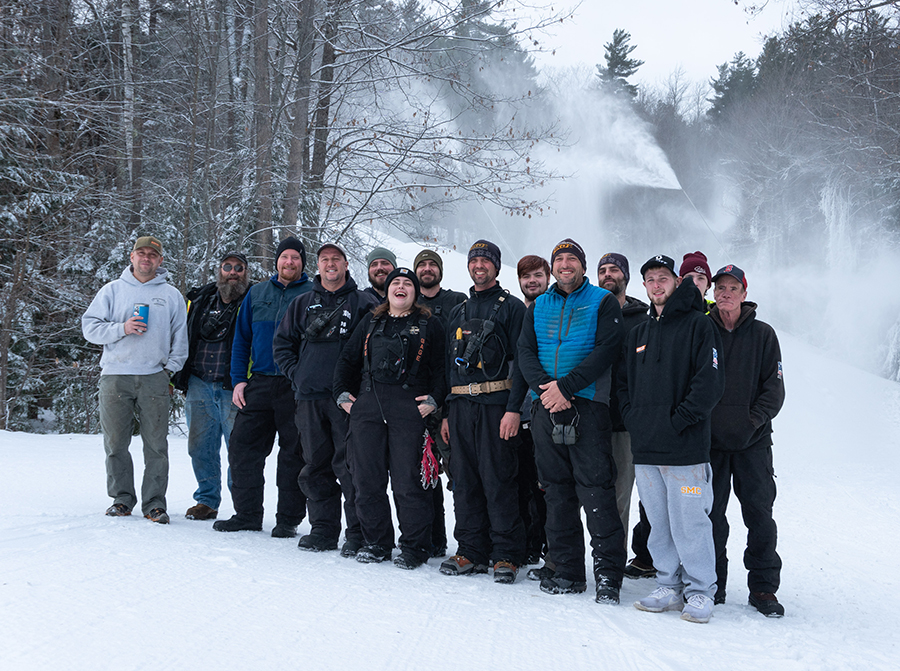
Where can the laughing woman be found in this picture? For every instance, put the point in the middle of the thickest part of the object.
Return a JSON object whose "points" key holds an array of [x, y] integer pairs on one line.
{"points": [[399, 348]]}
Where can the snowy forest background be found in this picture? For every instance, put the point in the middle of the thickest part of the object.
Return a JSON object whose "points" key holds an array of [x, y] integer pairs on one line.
{"points": [[218, 124]]}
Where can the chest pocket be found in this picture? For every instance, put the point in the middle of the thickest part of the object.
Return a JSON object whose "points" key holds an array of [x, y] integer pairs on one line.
{"points": [[325, 324], [388, 356], [394, 358], [476, 346]]}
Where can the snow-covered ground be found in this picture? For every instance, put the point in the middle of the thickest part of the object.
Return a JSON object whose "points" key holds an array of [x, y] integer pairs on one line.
{"points": [[79, 590]]}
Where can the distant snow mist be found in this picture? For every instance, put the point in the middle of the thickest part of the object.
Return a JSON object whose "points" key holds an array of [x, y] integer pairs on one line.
{"points": [[616, 192], [619, 193]]}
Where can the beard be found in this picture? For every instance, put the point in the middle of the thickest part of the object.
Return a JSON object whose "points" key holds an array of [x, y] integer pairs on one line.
{"points": [[617, 289], [231, 290], [432, 281], [532, 294], [378, 282]]}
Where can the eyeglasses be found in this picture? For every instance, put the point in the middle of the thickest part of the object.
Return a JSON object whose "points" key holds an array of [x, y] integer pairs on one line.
{"points": [[237, 267]]}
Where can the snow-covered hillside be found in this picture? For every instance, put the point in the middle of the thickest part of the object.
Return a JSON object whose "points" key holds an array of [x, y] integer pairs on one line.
{"points": [[79, 590]]}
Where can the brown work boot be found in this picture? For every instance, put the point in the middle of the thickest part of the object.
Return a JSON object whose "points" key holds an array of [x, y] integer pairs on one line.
{"points": [[459, 565], [201, 512], [505, 572], [118, 510]]}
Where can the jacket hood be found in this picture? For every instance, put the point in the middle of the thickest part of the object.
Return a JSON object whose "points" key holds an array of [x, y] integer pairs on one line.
{"points": [[349, 286], [128, 276], [685, 298], [634, 306], [748, 313]]}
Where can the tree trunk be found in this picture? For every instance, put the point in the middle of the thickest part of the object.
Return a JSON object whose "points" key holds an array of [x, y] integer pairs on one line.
{"points": [[131, 125], [263, 129], [12, 293], [298, 152], [321, 125]]}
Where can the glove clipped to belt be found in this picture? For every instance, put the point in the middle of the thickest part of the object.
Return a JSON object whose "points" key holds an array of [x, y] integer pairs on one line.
{"points": [[429, 468]]}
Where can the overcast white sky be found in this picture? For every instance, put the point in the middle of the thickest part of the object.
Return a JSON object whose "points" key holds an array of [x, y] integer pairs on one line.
{"points": [[698, 35]]}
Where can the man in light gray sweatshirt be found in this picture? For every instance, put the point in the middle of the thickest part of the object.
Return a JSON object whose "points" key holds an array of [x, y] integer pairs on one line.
{"points": [[141, 321]]}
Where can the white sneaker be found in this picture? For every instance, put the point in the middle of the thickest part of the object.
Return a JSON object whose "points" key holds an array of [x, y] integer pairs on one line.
{"points": [[697, 609], [661, 599]]}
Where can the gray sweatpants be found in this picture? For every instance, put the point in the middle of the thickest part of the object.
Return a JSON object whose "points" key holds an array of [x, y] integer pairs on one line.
{"points": [[121, 397], [678, 500]]}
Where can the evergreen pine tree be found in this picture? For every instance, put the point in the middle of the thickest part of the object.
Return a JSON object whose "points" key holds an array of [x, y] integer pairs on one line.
{"points": [[619, 64], [735, 83]]}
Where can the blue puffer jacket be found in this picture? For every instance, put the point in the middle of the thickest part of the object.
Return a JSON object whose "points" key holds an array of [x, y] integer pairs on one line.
{"points": [[572, 339]]}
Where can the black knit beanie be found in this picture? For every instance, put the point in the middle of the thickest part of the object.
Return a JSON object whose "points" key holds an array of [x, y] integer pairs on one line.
{"points": [[291, 243]]}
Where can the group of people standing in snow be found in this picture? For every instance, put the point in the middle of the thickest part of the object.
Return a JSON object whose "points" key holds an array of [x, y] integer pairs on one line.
{"points": [[536, 411]]}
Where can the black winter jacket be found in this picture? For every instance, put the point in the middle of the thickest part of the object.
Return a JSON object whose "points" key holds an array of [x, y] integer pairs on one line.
{"points": [[754, 384], [199, 299], [499, 351], [379, 299], [634, 312], [429, 377], [308, 360], [442, 304], [670, 381]]}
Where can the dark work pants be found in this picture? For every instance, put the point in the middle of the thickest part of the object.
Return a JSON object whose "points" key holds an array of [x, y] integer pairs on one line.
{"points": [[639, 536], [532, 508], [442, 453], [438, 525], [269, 410], [376, 449], [323, 435], [485, 494], [575, 476], [753, 475]]}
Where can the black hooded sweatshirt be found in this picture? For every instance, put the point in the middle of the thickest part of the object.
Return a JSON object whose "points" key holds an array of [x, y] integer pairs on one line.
{"points": [[670, 380], [754, 384], [308, 360], [634, 312]]}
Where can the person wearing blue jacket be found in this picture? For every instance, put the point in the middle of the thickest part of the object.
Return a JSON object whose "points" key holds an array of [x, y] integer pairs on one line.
{"points": [[265, 402], [570, 338]]}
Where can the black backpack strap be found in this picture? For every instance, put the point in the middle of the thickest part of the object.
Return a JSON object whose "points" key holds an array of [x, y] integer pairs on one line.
{"points": [[473, 347], [419, 351], [376, 323], [322, 322]]}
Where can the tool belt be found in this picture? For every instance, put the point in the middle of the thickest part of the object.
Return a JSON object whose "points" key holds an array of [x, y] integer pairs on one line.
{"points": [[477, 388]]}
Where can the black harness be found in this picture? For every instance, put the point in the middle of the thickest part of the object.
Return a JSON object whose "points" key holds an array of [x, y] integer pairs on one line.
{"points": [[394, 367], [470, 359], [322, 326]]}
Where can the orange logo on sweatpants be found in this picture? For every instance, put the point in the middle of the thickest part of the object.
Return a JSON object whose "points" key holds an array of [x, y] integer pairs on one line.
{"points": [[691, 491]]}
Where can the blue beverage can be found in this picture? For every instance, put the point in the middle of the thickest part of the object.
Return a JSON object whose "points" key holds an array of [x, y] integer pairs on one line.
{"points": [[141, 310]]}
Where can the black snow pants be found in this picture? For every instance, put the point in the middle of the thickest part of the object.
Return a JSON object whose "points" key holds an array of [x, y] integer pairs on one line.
{"points": [[386, 438], [269, 410]]}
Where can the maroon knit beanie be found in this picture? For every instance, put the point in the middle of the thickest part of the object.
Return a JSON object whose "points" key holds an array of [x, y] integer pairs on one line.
{"points": [[695, 262]]}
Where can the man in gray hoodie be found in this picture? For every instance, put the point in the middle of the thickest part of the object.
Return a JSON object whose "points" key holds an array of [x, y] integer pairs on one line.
{"points": [[141, 322]]}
